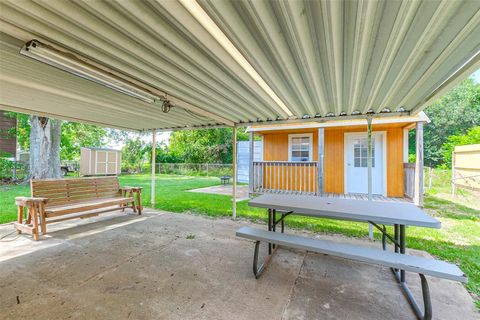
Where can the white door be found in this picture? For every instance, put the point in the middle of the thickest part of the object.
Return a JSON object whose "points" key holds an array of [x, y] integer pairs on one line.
{"points": [[357, 167]]}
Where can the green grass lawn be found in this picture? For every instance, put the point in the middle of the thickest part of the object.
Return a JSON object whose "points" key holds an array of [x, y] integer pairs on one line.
{"points": [[458, 241]]}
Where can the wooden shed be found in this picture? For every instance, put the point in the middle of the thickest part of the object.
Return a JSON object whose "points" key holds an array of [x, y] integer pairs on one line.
{"points": [[466, 167], [100, 161]]}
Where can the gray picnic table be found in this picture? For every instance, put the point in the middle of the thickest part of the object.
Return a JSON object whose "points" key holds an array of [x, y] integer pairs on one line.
{"points": [[379, 214]]}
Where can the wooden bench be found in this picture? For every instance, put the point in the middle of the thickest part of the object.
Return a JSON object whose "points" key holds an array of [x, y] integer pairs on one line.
{"points": [[396, 261], [54, 200]]}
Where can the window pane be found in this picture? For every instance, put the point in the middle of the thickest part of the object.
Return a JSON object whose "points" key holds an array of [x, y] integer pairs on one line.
{"points": [[364, 152], [364, 162], [357, 162]]}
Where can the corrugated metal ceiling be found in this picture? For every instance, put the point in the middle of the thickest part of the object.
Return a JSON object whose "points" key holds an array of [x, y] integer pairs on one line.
{"points": [[318, 57]]}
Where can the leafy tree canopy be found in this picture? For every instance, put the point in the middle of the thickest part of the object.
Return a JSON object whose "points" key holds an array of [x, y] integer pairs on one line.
{"points": [[133, 154], [453, 114], [73, 136], [204, 146], [471, 137]]}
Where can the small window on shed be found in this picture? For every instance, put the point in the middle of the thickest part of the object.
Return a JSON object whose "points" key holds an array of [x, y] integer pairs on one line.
{"points": [[300, 147]]}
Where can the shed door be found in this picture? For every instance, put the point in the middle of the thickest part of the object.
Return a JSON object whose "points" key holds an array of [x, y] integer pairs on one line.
{"points": [[357, 167], [112, 162], [101, 162]]}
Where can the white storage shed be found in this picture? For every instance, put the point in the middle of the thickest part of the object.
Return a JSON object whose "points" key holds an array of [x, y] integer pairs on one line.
{"points": [[100, 161]]}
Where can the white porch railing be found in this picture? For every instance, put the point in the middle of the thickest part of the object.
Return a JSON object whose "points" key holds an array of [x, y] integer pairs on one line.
{"points": [[285, 177]]}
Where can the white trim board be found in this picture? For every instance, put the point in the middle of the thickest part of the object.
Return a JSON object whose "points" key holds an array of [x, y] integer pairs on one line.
{"points": [[420, 117], [384, 154]]}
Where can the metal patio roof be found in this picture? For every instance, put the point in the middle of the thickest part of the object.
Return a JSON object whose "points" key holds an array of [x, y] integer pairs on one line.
{"points": [[236, 62]]}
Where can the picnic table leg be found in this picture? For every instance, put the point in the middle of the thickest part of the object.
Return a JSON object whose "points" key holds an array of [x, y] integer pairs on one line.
{"points": [[258, 269], [396, 233], [269, 229], [402, 249], [274, 218], [397, 238]]}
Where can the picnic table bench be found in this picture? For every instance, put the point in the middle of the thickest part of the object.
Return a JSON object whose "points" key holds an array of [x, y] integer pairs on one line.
{"points": [[54, 200], [225, 179], [379, 214]]}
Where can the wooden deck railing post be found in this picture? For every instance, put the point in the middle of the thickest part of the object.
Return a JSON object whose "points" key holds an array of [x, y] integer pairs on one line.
{"points": [[418, 198]]}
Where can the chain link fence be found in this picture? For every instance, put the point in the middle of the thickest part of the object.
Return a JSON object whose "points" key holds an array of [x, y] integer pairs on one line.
{"points": [[191, 169]]}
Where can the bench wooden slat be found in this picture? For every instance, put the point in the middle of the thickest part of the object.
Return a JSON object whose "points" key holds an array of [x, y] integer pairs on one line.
{"points": [[85, 206], [415, 264], [77, 193], [79, 199], [87, 180], [70, 189], [63, 187]]}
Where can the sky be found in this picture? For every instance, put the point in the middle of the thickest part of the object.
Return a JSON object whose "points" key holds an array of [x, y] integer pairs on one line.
{"points": [[476, 76]]}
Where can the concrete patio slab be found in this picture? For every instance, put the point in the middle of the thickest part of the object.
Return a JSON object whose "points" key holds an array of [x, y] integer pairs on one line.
{"points": [[178, 266], [242, 191]]}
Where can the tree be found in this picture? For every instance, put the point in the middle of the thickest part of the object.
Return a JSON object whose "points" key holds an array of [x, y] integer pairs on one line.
{"points": [[73, 136], [76, 135], [133, 155], [45, 148], [162, 154], [204, 146], [471, 137], [453, 114]]}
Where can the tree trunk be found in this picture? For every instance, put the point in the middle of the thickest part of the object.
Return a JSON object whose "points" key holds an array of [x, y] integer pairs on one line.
{"points": [[45, 148]]}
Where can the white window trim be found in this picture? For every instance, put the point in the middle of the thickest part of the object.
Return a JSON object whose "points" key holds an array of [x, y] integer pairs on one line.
{"points": [[300, 135]]}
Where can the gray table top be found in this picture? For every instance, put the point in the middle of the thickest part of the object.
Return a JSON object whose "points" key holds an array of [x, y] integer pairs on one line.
{"points": [[388, 213]]}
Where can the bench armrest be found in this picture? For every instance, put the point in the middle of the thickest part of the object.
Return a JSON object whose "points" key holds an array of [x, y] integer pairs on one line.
{"points": [[134, 189], [138, 193], [29, 201]]}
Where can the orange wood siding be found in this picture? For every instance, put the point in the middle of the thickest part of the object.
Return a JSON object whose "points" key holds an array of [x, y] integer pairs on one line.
{"points": [[275, 145], [334, 161], [276, 149]]}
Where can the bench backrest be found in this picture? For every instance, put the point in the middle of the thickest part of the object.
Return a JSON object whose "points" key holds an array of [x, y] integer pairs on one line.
{"points": [[65, 191]]}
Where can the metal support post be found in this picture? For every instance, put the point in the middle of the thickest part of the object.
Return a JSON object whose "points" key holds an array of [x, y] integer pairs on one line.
{"points": [[369, 164], [154, 147], [234, 188]]}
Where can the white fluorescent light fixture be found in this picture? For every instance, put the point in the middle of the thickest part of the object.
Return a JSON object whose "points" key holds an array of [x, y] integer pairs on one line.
{"points": [[70, 63]]}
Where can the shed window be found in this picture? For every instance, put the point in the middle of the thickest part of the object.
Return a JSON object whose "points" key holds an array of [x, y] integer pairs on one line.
{"points": [[300, 147]]}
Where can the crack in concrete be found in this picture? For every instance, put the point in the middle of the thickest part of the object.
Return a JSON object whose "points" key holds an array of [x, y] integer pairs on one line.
{"points": [[290, 295]]}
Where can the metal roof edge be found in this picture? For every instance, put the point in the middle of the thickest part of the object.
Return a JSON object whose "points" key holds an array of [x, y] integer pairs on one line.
{"points": [[336, 122]]}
